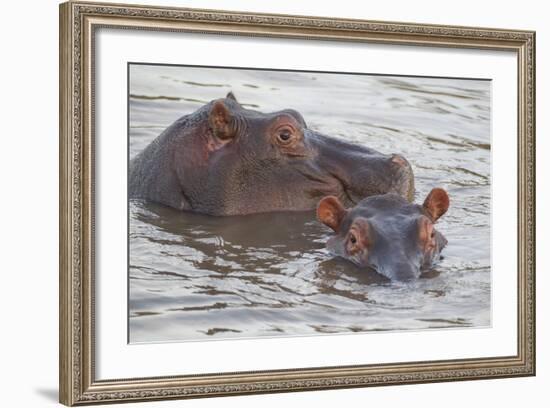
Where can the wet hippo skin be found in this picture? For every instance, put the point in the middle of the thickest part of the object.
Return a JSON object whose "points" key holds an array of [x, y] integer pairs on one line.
{"points": [[224, 159], [396, 238]]}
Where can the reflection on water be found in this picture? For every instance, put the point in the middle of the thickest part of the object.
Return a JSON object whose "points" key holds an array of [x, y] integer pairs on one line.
{"points": [[195, 277]]}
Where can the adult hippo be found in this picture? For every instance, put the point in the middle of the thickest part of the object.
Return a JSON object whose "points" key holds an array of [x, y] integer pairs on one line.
{"points": [[224, 159], [387, 233]]}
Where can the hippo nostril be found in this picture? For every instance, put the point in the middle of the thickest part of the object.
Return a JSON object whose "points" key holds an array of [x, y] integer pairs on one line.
{"points": [[403, 182], [399, 160]]}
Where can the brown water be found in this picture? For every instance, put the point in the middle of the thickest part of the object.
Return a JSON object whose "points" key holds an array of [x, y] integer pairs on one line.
{"points": [[195, 277]]}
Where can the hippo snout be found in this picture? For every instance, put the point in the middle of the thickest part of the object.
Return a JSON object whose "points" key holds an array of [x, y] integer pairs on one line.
{"points": [[401, 271], [371, 175]]}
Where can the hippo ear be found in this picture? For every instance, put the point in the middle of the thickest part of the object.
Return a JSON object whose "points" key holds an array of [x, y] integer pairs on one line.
{"points": [[220, 120], [231, 96], [331, 212], [436, 204]]}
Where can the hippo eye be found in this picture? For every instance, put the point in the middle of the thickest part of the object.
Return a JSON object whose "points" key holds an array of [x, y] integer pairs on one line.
{"points": [[284, 135], [352, 239]]}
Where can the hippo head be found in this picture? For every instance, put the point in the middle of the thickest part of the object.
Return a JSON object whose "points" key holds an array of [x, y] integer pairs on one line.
{"points": [[232, 160], [386, 233]]}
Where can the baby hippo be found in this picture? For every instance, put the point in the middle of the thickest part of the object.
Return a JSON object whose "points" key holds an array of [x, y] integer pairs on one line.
{"points": [[387, 233]]}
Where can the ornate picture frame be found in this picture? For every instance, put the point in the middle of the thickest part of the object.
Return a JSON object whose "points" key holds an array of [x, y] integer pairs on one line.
{"points": [[79, 22]]}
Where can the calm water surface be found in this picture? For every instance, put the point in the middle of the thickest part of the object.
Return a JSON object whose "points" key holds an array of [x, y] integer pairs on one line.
{"points": [[195, 277]]}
